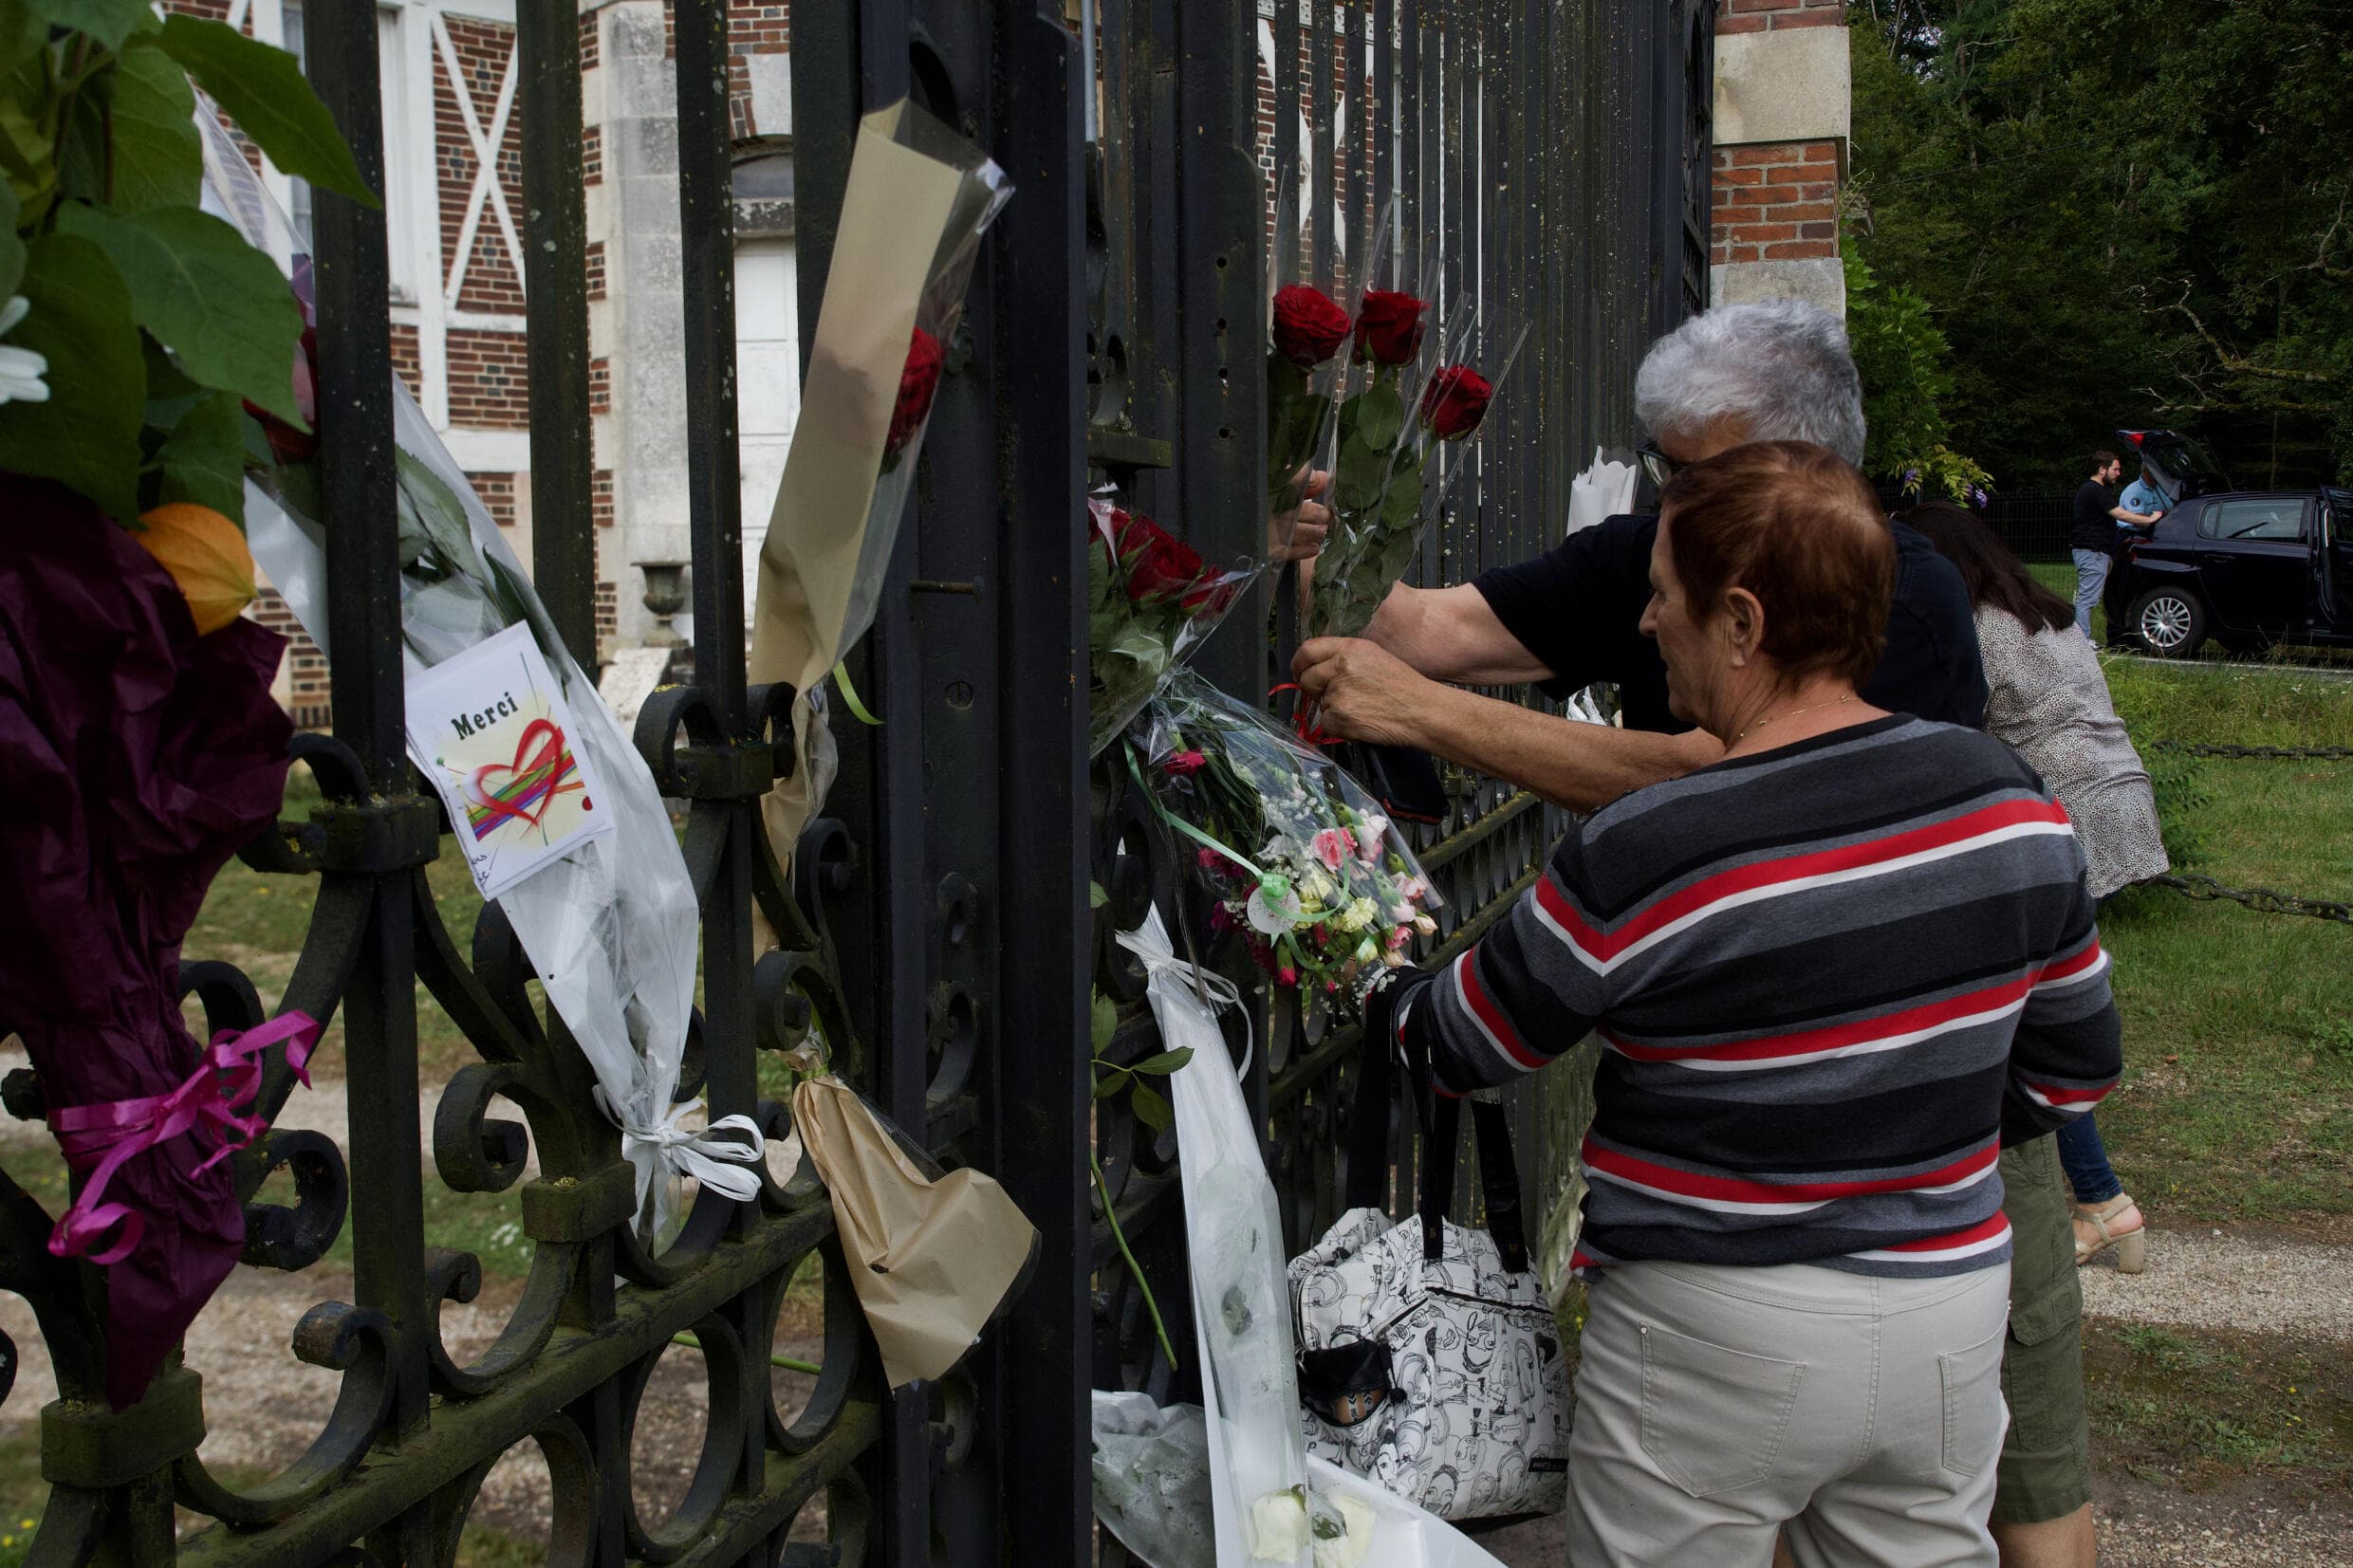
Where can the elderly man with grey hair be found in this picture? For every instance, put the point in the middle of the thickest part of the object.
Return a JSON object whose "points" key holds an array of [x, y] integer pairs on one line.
{"points": [[1773, 371], [1777, 371]]}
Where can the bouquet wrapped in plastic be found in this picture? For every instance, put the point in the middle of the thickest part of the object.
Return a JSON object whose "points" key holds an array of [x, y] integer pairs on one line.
{"points": [[920, 198], [1151, 599], [1405, 442], [610, 923], [1303, 863]]}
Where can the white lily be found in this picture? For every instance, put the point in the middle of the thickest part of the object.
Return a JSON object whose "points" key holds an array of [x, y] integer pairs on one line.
{"points": [[21, 369]]}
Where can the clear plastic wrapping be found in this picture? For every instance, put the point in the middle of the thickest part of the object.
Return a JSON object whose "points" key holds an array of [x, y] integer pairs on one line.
{"points": [[1151, 601], [1301, 859]]}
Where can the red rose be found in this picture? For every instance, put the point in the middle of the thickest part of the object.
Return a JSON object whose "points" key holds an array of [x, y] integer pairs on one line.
{"points": [[1212, 595], [1180, 763], [1308, 328], [1161, 564], [918, 382], [1388, 326], [1455, 402]]}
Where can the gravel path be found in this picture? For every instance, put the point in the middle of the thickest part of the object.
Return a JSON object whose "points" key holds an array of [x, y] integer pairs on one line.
{"points": [[2217, 1280]]}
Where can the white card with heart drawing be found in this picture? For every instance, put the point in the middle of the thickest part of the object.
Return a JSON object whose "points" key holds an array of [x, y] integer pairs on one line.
{"points": [[490, 732]]}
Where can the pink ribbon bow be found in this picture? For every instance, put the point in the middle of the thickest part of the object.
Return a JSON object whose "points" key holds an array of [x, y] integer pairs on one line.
{"points": [[105, 1136]]}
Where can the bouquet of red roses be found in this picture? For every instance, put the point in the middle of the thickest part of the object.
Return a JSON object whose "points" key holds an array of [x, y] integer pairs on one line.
{"points": [[1402, 446], [1150, 598]]}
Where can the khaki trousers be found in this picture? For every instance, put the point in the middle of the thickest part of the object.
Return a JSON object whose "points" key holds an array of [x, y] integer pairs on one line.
{"points": [[1714, 1403]]}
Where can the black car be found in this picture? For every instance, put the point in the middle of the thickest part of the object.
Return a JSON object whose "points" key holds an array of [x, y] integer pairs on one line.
{"points": [[2249, 568]]}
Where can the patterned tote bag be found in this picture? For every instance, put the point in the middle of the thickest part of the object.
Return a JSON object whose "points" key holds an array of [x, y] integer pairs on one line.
{"points": [[1429, 1360]]}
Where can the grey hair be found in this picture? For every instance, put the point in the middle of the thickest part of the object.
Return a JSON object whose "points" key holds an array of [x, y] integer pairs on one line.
{"points": [[1782, 367]]}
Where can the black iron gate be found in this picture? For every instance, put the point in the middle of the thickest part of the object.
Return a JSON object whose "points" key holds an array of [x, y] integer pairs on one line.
{"points": [[936, 923]]}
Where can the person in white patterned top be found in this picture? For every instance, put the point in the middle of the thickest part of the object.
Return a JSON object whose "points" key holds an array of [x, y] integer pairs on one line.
{"points": [[2048, 698]]}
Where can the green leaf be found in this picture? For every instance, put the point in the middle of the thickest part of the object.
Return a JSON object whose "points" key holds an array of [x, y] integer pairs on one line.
{"points": [[86, 435], [264, 91], [203, 458], [82, 151], [1163, 1064], [1096, 897], [1102, 1022], [1403, 503], [215, 301], [159, 157], [107, 22], [11, 244], [1152, 1108], [1357, 485], [1384, 415], [1284, 379]]}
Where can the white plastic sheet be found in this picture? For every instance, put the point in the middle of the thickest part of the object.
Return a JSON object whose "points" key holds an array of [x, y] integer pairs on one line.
{"points": [[611, 927], [1151, 1472]]}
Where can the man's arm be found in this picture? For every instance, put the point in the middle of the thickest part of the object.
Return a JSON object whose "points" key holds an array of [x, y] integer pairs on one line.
{"points": [[1365, 693], [1452, 634], [2126, 514]]}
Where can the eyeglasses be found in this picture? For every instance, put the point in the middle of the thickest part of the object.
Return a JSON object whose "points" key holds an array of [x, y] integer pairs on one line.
{"points": [[1656, 465]]}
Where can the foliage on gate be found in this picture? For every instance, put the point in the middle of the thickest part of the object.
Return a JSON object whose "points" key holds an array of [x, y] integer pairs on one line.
{"points": [[935, 930]]}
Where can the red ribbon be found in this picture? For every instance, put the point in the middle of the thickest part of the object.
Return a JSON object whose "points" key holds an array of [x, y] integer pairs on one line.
{"points": [[100, 1138], [1303, 718]]}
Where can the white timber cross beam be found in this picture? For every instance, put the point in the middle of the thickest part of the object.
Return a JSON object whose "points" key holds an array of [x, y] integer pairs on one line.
{"points": [[486, 187]]}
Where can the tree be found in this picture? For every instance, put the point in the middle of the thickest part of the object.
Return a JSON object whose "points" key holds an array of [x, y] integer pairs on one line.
{"points": [[2118, 212], [1902, 358]]}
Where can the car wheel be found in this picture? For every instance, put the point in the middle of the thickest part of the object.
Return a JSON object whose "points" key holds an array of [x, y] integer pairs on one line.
{"points": [[2170, 622]]}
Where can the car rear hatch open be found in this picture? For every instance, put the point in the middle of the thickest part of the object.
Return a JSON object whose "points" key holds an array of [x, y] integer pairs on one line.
{"points": [[2176, 464]]}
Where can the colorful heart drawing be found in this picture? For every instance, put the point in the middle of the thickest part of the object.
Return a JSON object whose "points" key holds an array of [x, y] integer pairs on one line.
{"points": [[550, 758]]}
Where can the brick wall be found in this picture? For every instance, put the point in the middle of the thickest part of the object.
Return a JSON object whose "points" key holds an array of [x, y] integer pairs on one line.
{"points": [[1771, 16], [592, 156], [488, 380], [601, 385], [305, 667], [497, 492], [594, 268], [405, 362], [753, 29], [491, 282], [1777, 202]]}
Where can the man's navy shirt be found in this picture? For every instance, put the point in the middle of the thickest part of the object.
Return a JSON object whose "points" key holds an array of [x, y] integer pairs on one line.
{"points": [[1578, 607]]}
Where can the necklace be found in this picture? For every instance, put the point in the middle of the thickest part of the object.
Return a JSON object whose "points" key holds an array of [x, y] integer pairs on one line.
{"points": [[1791, 714]]}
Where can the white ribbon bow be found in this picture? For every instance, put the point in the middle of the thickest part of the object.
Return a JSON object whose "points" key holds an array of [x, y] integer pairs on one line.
{"points": [[1215, 989], [719, 1163]]}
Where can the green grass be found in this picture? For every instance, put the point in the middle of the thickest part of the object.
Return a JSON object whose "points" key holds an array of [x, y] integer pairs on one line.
{"points": [[2202, 1410]]}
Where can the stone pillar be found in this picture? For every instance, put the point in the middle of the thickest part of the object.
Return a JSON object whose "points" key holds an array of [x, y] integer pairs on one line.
{"points": [[638, 328], [1782, 112]]}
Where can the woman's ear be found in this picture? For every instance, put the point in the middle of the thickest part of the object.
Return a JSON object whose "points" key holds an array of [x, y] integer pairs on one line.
{"points": [[1744, 626]]}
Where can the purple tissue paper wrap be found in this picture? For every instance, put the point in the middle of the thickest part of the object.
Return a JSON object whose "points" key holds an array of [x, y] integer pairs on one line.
{"points": [[135, 757]]}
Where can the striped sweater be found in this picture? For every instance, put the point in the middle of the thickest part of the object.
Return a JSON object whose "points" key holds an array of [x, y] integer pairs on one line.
{"points": [[1830, 981]]}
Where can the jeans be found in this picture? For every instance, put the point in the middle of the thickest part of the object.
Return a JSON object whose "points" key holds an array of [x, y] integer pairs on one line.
{"points": [[2091, 574], [2086, 1160]]}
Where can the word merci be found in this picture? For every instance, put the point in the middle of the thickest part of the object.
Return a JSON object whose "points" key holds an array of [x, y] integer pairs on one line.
{"points": [[474, 723]]}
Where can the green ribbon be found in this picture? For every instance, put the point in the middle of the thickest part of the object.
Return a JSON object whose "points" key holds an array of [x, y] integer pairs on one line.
{"points": [[1263, 878], [849, 695]]}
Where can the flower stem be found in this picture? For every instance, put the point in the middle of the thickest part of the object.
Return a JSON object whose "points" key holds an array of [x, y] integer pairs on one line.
{"points": [[1135, 1270]]}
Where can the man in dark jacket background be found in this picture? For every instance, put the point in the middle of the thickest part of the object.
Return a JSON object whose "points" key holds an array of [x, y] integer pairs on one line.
{"points": [[2093, 537]]}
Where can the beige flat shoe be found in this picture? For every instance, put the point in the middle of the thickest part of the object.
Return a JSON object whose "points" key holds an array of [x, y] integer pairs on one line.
{"points": [[2115, 1224]]}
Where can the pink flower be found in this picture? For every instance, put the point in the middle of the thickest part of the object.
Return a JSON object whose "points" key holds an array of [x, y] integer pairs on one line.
{"points": [[1220, 918], [1287, 975], [1333, 845], [1184, 763], [1399, 934]]}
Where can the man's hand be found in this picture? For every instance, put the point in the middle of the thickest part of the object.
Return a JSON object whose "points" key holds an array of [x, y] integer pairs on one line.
{"points": [[1365, 693], [1298, 534]]}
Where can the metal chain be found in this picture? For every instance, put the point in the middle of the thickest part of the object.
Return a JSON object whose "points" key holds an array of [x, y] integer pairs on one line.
{"points": [[2263, 900], [2290, 753]]}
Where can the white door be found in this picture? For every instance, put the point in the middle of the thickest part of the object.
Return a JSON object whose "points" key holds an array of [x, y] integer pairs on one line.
{"points": [[767, 381]]}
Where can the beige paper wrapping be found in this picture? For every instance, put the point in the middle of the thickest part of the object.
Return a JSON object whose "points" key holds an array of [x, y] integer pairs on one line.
{"points": [[895, 210], [930, 1260]]}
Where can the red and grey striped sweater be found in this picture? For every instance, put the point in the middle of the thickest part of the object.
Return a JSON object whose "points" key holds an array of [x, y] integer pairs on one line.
{"points": [[1831, 981]]}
